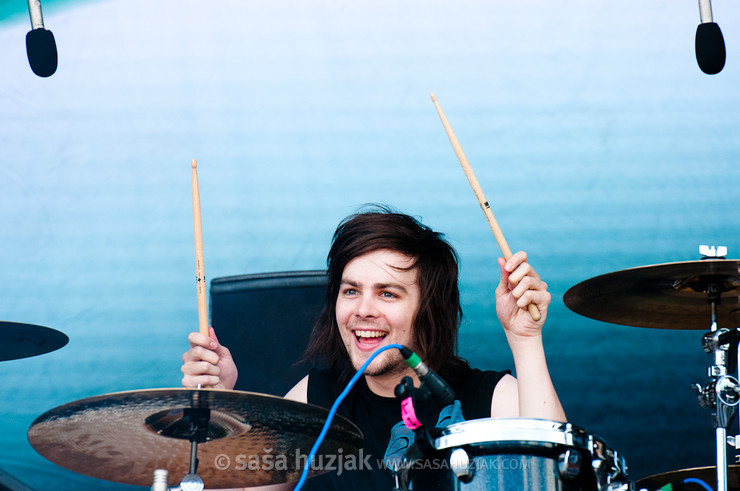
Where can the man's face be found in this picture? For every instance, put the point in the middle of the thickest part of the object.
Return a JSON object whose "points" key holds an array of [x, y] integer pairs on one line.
{"points": [[376, 306]]}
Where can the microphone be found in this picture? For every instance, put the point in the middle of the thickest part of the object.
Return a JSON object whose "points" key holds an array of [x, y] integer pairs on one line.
{"points": [[438, 389], [40, 45], [709, 43]]}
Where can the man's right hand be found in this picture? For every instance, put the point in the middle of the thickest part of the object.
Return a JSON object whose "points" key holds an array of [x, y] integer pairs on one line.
{"points": [[207, 363]]}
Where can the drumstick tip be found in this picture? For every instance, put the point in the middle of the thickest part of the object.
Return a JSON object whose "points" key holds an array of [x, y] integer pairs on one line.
{"points": [[434, 97], [193, 163]]}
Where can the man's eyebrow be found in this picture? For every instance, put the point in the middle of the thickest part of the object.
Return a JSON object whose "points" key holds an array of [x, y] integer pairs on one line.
{"points": [[385, 286], [377, 286]]}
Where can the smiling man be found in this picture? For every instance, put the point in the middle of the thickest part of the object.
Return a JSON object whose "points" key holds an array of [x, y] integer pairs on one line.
{"points": [[391, 280], [378, 299]]}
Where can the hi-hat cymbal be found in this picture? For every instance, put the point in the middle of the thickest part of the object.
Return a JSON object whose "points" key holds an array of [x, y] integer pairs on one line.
{"points": [[23, 340], [706, 474], [252, 439], [663, 296]]}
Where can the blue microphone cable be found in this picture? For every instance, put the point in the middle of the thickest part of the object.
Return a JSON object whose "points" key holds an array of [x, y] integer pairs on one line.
{"points": [[333, 410], [697, 481]]}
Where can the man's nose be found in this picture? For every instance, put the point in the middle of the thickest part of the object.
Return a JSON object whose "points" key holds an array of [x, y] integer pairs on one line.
{"points": [[367, 306]]}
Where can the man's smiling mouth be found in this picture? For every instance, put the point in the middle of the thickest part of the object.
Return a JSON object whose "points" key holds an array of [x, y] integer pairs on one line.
{"points": [[369, 336]]}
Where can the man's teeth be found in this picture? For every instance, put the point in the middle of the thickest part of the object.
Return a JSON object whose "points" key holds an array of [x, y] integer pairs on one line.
{"points": [[370, 334]]}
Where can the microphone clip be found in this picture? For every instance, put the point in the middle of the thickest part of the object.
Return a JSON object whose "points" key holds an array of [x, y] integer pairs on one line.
{"points": [[417, 405]]}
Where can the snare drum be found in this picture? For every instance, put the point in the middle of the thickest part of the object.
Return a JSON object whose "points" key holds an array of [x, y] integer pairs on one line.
{"points": [[518, 454]]}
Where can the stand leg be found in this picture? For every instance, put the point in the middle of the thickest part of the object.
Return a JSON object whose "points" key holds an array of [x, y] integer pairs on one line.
{"points": [[721, 459]]}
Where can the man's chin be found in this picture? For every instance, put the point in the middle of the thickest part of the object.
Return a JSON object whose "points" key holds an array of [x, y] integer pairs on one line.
{"points": [[383, 371], [384, 366]]}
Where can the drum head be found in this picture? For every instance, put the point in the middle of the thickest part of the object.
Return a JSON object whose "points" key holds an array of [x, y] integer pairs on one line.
{"points": [[519, 431]]}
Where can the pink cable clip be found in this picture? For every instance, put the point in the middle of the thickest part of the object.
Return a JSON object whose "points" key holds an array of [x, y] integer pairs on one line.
{"points": [[408, 414]]}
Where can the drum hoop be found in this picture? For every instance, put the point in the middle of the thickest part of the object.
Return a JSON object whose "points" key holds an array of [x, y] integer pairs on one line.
{"points": [[528, 432]]}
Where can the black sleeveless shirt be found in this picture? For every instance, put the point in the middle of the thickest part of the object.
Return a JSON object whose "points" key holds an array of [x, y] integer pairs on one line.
{"points": [[376, 415]]}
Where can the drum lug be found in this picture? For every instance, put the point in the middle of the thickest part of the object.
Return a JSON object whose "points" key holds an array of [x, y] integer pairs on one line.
{"points": [[461, 465], [569, 464]]}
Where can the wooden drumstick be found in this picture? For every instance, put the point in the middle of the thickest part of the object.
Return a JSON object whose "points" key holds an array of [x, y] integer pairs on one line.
{"points": [[503, 245], [200, 274]]}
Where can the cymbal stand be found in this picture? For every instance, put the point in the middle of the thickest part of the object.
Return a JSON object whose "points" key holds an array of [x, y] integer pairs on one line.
{"points": [[197, 433], [721, 393]]}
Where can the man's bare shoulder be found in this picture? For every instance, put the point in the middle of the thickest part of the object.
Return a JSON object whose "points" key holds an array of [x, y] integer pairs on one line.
{"points": [[299, 392]]}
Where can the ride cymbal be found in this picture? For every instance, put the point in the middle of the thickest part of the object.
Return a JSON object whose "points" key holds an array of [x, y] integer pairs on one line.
{"points": [[662, 296], [24, 340], [251, 439]]}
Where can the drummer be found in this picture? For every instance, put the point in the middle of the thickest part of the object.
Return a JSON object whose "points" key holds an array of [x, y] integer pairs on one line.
{"points": [[392, 279]]}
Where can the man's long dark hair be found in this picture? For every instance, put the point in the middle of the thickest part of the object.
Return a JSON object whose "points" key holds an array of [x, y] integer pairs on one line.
{"points": [[438, 319]]}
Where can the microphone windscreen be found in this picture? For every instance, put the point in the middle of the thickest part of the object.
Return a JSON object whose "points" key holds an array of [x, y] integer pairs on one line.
{"points": [[710, 48], [42, 52]]}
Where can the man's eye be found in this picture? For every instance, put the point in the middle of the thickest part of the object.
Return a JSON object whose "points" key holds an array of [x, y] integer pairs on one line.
{"points": [[388, 295], [350, 291]]}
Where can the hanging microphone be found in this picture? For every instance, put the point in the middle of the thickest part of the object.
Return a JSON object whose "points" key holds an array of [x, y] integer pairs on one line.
{"points": [[40, 45], [709, 45], [437, 387]]}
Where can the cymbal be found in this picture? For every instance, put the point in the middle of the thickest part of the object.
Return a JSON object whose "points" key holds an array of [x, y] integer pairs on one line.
{"points": [[662, 296], [23, 340], [252, 439], [706, 474]]}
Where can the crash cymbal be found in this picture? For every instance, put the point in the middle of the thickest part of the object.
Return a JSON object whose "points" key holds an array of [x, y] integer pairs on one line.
{"points": [[24, 340], [252, 439], [663, 296], [706, 474]]}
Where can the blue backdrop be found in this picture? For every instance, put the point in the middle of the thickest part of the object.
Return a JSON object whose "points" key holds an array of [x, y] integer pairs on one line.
{"points": [[597, 139]]}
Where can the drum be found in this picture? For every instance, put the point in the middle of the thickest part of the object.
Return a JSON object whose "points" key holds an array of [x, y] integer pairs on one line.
{"points": [[518, 454]]}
